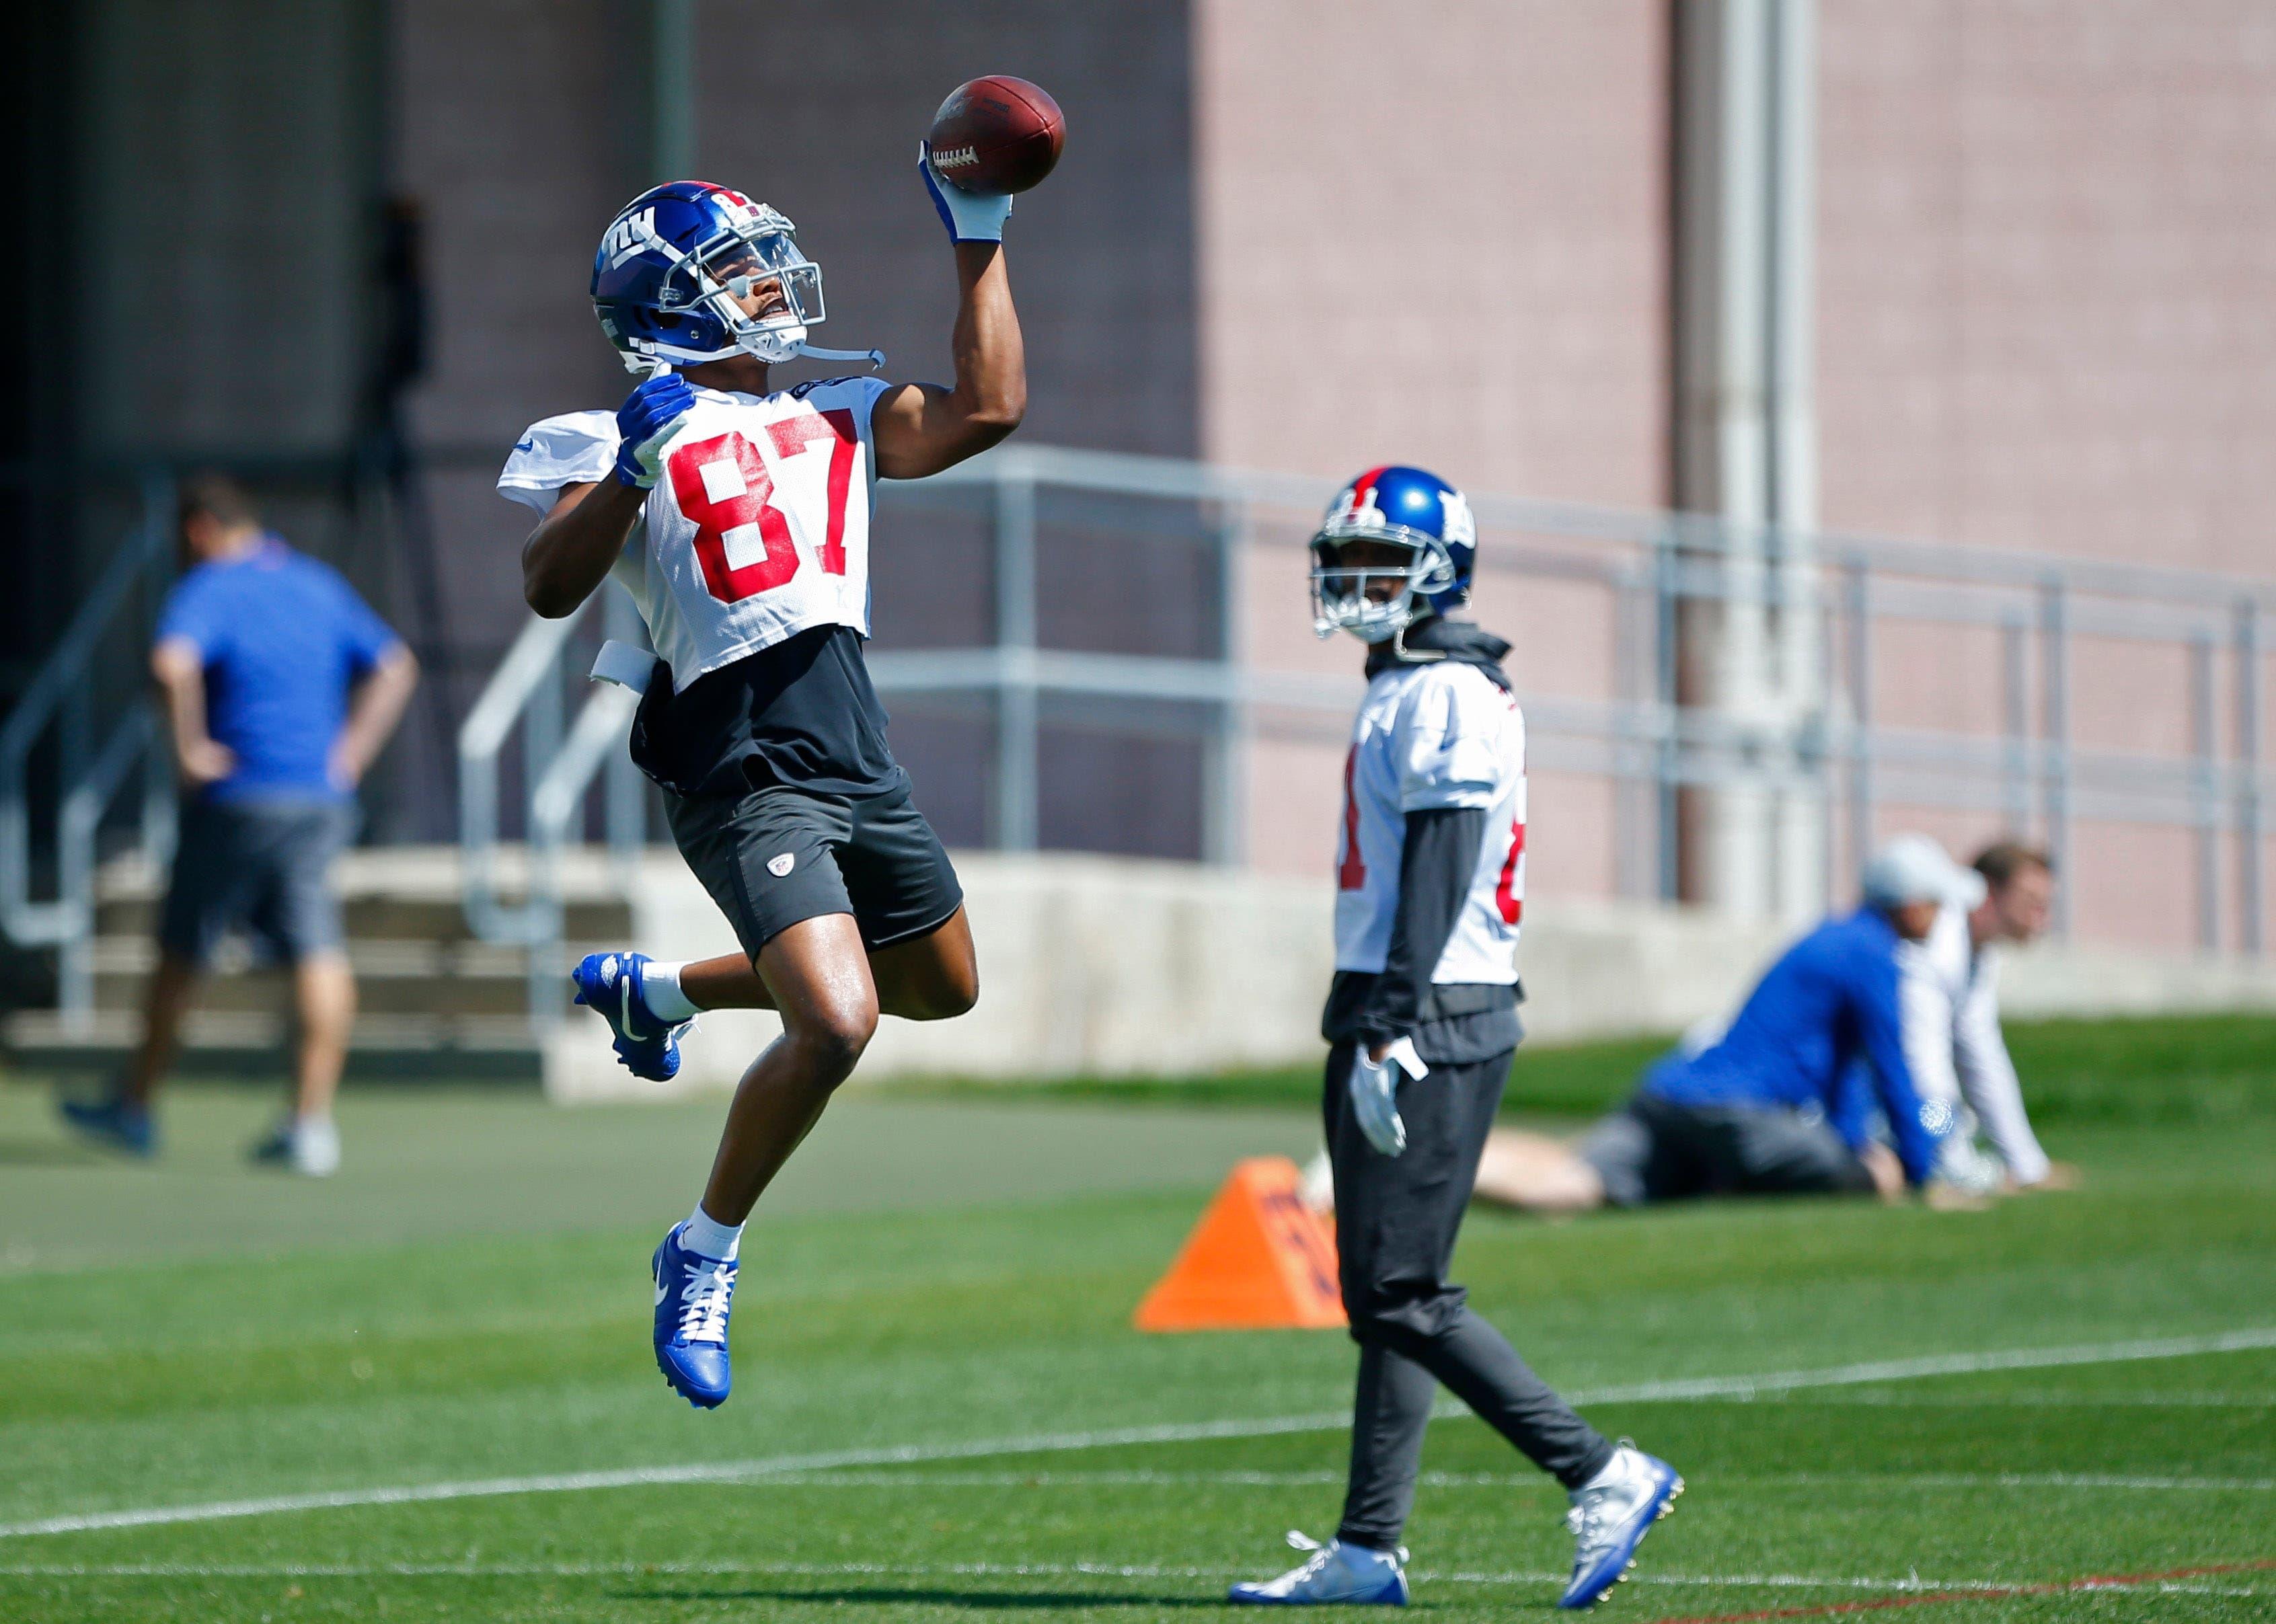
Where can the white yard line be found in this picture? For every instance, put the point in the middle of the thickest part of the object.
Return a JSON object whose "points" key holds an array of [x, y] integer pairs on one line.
{"points": [[1140, 1478], [1909, 1583], [626, 1477], [2049, 1399]]}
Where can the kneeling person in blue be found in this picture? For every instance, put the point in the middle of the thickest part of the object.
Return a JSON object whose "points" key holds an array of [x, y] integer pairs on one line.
{"points": [[1423, 1021], [1774, 1104]]}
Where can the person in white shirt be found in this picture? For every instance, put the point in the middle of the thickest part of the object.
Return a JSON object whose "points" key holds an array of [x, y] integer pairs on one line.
{"points": [[1951, 1006]]}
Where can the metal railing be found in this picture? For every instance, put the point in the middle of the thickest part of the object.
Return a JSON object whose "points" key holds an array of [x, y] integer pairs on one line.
{"points": [[93, 761], [526, 695], [1845, 745], [1837, 742]]}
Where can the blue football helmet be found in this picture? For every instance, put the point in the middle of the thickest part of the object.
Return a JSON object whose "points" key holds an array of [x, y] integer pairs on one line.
{"points": [[1405, 508], [675, 260]]}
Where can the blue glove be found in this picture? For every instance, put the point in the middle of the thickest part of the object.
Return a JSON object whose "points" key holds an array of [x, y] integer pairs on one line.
{"points": [[970, 216], [645, 425]]}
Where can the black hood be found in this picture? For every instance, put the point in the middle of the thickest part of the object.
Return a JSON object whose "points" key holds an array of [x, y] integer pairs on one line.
{"points": [[1428, 642]]}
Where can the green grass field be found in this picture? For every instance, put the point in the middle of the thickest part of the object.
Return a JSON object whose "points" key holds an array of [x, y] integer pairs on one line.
{"points": [[426, 1391]]}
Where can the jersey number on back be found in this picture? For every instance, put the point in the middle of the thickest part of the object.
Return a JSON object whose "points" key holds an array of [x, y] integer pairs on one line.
{"points": [[742, 539]]}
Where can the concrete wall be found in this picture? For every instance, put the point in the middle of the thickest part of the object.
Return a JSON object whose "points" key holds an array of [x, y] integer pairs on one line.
{"points": [[1094, 966], [2045, 250], [1470, 272]]}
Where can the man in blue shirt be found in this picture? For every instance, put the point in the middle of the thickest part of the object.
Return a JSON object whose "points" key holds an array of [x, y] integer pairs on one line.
{"points": [[1762, 1108], [280, 685]]}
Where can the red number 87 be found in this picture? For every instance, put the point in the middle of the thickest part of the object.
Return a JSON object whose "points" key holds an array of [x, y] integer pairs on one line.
{"points": [[742, 539]]}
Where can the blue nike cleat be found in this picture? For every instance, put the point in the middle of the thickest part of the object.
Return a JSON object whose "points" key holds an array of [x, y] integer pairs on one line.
{"points": [[112, 1122], [1334, 1574], [692, 1297], [1611, 1514], [612, 983]]}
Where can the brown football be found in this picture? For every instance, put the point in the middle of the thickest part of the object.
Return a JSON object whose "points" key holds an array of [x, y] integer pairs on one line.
{"points": [[996, 134]]}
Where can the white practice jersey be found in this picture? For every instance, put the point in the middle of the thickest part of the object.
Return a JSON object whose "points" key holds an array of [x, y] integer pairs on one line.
{"points": [[758, 528], [1441, 735], [1948, 995]]}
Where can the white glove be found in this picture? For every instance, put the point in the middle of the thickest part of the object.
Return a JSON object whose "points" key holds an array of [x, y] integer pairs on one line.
{"points": [[970, 216], [1375, 1093]]}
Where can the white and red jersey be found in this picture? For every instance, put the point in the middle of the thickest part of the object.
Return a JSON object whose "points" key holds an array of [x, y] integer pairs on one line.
{"points": [[1433, 736], [758, 529]]}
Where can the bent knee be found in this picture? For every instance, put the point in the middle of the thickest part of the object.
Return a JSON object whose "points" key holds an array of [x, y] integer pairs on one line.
{"points": [[832, 1039], [953, 997]]}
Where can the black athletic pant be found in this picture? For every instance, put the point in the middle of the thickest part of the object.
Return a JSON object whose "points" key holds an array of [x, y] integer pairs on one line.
{"points": [[1396, 1220]]}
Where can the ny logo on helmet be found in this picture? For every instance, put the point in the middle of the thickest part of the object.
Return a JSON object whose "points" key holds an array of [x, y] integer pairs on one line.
{"points": [[1460, 528], [631, 235]]}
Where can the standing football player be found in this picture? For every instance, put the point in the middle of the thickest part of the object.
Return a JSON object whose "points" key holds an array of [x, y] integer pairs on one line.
{"points": [[738, 516], [1423, 1018]]}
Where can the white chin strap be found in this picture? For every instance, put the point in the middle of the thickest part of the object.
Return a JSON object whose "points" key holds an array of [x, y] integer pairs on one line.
{"points": [[776, 345]]}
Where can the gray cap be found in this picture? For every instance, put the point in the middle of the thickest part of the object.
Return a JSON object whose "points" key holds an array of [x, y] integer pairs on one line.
{"points": [[1915, 868]]}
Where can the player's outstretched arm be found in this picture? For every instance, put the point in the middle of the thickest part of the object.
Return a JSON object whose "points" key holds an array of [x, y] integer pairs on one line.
{"points": [[921, 428]]}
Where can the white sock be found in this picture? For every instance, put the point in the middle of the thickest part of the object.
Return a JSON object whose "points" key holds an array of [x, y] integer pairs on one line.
{"points": [[707, 1238], [1615, 1470], [660, 986]]}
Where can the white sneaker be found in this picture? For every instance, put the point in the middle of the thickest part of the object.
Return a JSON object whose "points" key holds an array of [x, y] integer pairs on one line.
{"points": [[315, 1147], [1611, 1514], [1336, 1572], [309, 1146]]}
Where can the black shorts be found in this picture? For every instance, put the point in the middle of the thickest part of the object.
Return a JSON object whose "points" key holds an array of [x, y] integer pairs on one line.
{"points": [[778, 855], [1656, 1150], [262, 866]]}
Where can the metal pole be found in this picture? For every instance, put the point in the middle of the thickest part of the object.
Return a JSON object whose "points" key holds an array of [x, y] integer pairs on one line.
{"points": [[540, 738], [159, 813], [1827, 745], [625, 792], [1224, 812], [2206, 792], [671, 90], [1014, 812], [2015, 713], [2248, 778], [1630, 786], [1667, 595], [2055, 727], [1859, 588]]}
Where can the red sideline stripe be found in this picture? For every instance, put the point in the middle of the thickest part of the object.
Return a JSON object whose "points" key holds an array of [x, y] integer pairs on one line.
{"points": [[2061, 1587], [1364, 485]]}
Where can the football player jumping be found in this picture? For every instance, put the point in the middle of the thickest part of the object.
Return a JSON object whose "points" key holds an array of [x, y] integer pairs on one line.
{"points": [[1423, 1021], [738, 516]]}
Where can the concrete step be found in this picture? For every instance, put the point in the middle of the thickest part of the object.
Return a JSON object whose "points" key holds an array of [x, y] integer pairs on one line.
{"points": [[392, 978], [379, 917], [402, 893], [242, 1045]]}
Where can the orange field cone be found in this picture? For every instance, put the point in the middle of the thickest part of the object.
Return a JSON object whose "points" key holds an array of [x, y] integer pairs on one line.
{"points": [[1259, 1258]]}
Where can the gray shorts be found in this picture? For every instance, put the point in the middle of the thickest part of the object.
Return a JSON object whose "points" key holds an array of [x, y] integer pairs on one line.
{"points": [[262, 866], [1656, 1150], [779, 855]]}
